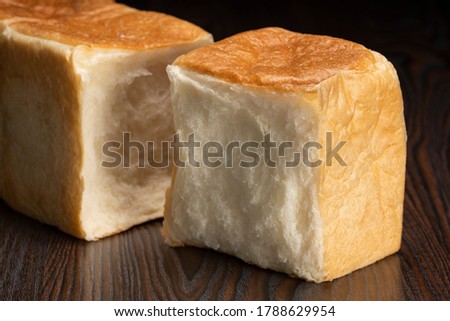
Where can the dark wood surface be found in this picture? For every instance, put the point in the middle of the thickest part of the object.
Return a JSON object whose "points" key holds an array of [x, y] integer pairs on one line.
{"points": [[37, 262]]}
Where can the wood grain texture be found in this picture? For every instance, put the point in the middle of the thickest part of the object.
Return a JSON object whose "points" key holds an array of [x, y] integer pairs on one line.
{"points": [[37, 262]]}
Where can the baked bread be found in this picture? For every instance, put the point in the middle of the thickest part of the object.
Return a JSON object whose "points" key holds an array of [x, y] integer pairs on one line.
{"points": [[76, 75], [338, 103]]}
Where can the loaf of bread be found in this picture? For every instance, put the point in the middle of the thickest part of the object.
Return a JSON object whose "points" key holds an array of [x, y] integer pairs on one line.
{"points": [[76, 78], [335, 104]]}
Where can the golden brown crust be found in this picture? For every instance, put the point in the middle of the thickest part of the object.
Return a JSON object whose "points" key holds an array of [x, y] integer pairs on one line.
{"points": [[10, 11], [107, 26], [362, 203], [277, 58], [65, 3], [43, 9]]}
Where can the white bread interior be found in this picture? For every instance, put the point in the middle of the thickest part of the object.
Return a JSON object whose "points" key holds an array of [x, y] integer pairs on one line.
{"points": [[60, 102], [130, 91], [244, 211], [316, 223]]}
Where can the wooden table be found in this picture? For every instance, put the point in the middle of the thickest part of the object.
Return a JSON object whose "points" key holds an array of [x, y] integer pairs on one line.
{"points": [[37, 262]]}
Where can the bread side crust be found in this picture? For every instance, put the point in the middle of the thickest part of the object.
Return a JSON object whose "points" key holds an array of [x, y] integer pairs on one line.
{"points": [[362, 203], [54, 198]]}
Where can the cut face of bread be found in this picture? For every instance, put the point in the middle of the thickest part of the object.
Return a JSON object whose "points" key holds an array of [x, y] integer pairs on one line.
{"points": [[313, 220], [72, 83]]}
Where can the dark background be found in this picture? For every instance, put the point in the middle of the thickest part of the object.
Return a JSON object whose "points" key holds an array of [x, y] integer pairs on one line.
{"points": [[39, 262]]}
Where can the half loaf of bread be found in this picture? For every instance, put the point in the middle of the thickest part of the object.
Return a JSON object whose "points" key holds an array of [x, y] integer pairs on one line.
{"points": [[336, 206], [76, 76]]}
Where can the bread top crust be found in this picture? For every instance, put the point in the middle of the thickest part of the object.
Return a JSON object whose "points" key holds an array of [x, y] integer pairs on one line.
{"points": [[102, 25], [43, 9], [277, 59]]}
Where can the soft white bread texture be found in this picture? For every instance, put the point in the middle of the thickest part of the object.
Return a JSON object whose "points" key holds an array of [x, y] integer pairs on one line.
{"points": [[74, 77], [313, 222]]}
